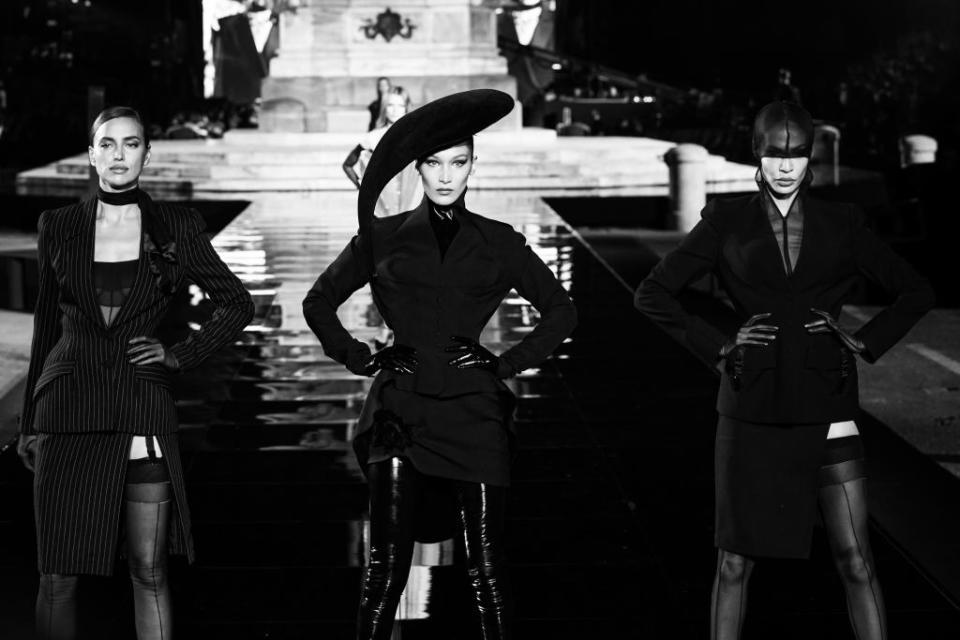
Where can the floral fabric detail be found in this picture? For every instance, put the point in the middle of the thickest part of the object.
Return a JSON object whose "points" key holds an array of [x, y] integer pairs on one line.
{"points": [[390, 432]]}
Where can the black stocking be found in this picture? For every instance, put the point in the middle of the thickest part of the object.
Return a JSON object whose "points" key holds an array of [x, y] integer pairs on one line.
{"points": [[728, 604], [57, 607], [147, 507], [844, 509], [395, 488], [482, 514]]}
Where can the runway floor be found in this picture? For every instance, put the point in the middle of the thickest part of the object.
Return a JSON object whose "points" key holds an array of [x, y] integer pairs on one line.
{"points": [[611, 511]]}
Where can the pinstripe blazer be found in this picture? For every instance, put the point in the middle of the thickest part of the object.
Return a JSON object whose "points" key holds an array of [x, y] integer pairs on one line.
{"points": [[79, 379]]}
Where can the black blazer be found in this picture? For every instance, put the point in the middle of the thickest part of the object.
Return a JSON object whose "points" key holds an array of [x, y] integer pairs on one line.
{"points": [[79, 378], [799, 378], [425, 301]]}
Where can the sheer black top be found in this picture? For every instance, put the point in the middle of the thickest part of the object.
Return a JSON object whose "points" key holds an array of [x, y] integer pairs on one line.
{"points": [[112, 282]]}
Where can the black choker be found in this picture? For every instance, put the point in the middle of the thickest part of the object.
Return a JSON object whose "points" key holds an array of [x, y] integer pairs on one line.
{"points": [[118, 198]]}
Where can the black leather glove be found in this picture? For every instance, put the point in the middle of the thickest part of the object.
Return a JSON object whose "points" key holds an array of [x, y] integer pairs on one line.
{"points": [[27, 450], [472, 355], [145, 350], [751, 334], [397, 358], [826, 324]]}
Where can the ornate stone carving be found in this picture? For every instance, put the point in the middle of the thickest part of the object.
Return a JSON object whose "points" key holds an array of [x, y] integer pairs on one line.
{"points": [[388, 24]]}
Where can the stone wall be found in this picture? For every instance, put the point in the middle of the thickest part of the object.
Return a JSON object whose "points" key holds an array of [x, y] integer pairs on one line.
{"points": [[326, 71]]}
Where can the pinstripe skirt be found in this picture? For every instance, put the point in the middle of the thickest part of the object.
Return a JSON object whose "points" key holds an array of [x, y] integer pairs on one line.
{"points": [[78, 497]]}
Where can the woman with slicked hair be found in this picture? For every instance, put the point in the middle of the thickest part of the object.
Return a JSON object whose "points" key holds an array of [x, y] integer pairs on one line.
{"points": [[99, 424], [787, 441]]}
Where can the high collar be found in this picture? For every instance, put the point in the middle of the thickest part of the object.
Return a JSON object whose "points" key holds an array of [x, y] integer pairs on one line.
{"points": [[446, 214]]}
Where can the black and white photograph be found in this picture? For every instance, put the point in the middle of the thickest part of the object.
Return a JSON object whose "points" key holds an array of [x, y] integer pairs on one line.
{"points": [[479, 320]]}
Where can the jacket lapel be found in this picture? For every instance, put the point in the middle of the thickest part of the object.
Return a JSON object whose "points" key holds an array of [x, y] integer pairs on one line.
{"points": [[141, 289], [153, 235], [760, 248], [78, 252], [465, 240], [815, 237], [416, 234]]}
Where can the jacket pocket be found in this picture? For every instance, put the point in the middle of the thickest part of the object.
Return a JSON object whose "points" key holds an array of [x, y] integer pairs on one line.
{"points": [[52, 372], [746, 365], [833, 365], [154, 375]]}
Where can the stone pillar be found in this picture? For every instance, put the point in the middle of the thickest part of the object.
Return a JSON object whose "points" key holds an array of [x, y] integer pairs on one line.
{"points": [[826, 148], [917, 149], [688, 183], [329, 62]]}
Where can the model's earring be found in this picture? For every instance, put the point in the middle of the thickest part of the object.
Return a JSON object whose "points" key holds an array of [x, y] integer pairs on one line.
{"points": [[758, 177]]}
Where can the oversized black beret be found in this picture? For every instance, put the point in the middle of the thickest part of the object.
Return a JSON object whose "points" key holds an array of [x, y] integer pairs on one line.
{"points": [[435, 126]]}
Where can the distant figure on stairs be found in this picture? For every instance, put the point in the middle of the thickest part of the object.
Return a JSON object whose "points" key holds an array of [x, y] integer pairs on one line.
{"points": [[376, 108], [405, 191]]}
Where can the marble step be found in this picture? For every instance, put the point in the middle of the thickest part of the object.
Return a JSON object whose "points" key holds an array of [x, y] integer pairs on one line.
{"points": [[253, 171], [525, 138], [46, 181], [250, 161], [222, 155]]}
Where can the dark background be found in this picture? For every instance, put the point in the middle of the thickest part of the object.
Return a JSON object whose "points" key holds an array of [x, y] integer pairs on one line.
{"points": [[899, 60], [147, 54]]}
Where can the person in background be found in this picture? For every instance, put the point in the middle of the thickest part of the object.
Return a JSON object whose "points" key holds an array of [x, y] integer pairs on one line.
{"points": [[404, 191], [377, 106]]}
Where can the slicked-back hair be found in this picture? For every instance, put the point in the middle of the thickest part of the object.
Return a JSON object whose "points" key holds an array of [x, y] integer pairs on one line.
{"points": [[112, 113]]}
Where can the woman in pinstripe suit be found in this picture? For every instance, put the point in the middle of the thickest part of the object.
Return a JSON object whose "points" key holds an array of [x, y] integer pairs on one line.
{"points": [[99, 422]]}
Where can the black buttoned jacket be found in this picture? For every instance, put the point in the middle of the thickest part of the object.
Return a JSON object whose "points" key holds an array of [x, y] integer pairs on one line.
{"points": [[426, 301], [80, 379], [799, 378]]}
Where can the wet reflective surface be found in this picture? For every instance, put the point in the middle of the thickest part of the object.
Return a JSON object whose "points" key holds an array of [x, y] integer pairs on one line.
{"points": [[610, 514]]}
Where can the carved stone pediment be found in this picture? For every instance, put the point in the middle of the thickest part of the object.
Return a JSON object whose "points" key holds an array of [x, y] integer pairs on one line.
{"points": [[388, 24]]}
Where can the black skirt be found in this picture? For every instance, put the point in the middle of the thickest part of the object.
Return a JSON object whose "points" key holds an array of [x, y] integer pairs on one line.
{"points": [[766, 487], [78, 496], [466, 437]]}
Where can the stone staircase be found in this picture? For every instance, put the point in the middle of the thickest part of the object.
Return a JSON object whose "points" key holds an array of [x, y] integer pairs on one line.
{"points": [[531, 159]]}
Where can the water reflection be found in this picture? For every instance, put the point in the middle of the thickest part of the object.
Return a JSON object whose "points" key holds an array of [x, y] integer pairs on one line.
{"points": [[279, 397]]}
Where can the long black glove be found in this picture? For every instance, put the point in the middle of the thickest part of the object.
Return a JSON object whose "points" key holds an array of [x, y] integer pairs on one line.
{"points": [[751, 334], [472, 355], [397, 358], [826, 324]]}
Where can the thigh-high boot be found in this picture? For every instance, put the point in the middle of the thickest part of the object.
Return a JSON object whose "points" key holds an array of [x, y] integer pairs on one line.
{"points": [[482, 515], [395, 488]]}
